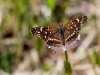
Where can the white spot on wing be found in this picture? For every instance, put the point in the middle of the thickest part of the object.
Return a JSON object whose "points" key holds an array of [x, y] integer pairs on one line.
{"points": [[49, 38], [38, 32], [81, 22], [41, 29], [76, 28], [45, 36], [77, 19], [75, 25], [48, 28], [71, 22], [73, 33], [71, 27], [45, 32]]}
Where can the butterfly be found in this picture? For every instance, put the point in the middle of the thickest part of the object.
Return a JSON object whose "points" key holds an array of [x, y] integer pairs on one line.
{"points": [[61, 36]]}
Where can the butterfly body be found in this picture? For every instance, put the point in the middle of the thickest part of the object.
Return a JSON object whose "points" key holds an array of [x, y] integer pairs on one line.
{"points": [[60, 35], [61, 31]]}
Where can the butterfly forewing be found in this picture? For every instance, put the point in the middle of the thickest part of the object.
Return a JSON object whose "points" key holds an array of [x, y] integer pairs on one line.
{"points": [[73, 27], [49, 34]]}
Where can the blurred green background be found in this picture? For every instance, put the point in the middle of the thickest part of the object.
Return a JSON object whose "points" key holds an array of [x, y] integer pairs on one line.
{"points": [[21, 52]]}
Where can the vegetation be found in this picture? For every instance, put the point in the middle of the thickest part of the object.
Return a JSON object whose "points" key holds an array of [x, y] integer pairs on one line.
{"points": [[22, 53]]}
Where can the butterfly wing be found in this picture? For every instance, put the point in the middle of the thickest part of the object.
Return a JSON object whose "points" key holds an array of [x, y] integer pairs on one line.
{"points": [[72, 28], [49, 34]]}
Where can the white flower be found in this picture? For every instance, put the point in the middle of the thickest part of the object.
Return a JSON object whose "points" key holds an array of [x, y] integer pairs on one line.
{"points": [[66, 47]]}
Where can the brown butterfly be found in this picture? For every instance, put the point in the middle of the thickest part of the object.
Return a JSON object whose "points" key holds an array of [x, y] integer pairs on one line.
{"points": [[61, 36]]}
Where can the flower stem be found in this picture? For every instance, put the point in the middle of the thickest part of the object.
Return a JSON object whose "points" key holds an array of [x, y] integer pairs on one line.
{"points": [[67, 65]]}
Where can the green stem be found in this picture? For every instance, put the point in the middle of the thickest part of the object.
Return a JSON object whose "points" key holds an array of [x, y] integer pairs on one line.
{"points": [[67, 65]]}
